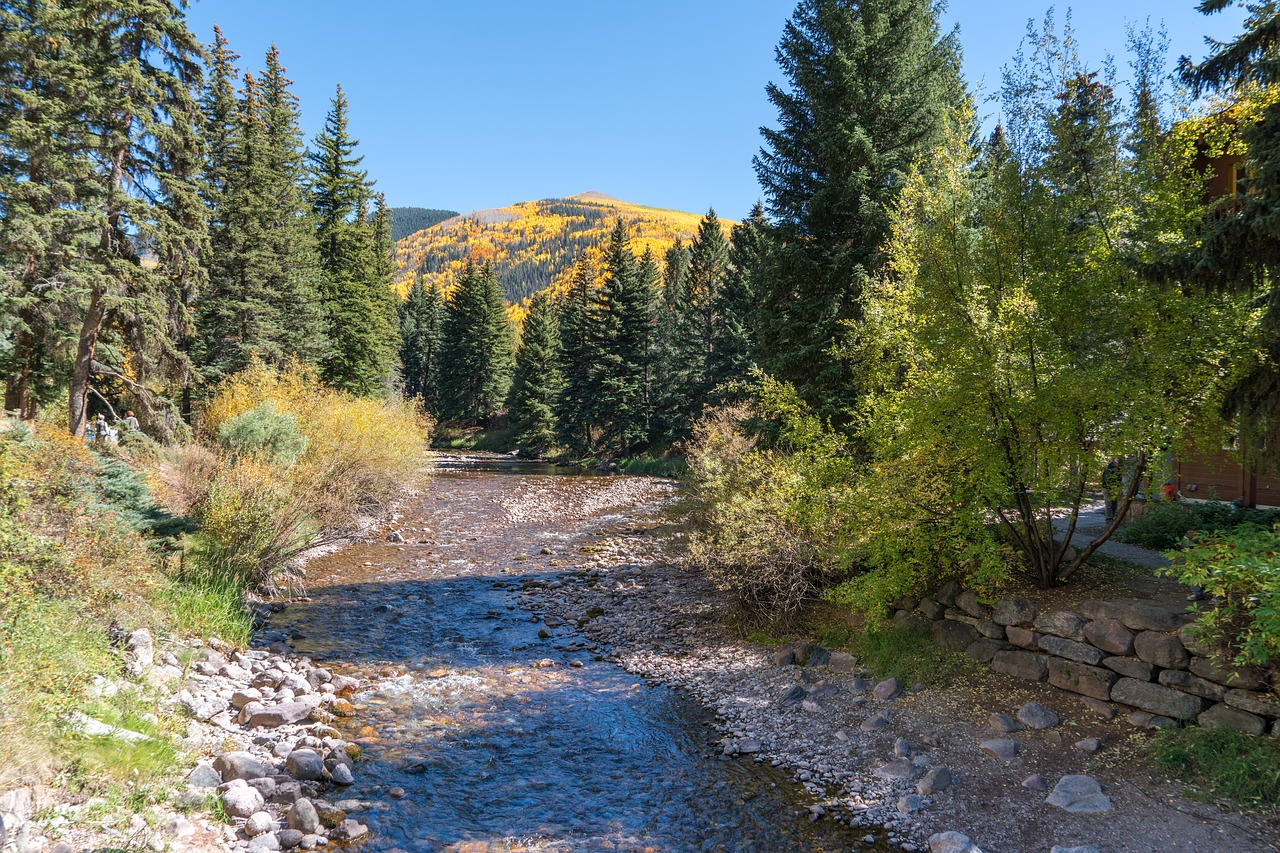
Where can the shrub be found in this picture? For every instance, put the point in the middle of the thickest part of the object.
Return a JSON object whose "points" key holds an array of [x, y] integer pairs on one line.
{"points": [[252, 523], [262, 429], [1167, 524], [762, 524], [1240, 569]]}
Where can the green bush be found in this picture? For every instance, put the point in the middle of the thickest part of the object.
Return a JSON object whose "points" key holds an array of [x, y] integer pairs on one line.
{"points": [[1240, 570], [1167, 524], [1242, 768], [264, 429]]}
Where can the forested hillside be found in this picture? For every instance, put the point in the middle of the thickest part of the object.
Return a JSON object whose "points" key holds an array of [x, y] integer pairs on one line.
{"points": [[410, 220], [529, 243]]}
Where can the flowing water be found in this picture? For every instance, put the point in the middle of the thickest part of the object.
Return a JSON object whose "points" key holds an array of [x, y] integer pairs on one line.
{"points": [[493, 748]]}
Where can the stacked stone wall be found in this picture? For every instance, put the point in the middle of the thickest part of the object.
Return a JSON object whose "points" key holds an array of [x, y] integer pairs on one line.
{"points": [[1135, 654]]}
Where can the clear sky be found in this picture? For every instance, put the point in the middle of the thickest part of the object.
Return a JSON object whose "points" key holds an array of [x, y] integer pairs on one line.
{"points": [[461, 104]]}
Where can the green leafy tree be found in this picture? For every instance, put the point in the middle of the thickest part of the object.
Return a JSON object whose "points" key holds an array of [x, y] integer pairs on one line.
{"points": [[477, 350], [869, 84], [421, 340], [536, 382]]}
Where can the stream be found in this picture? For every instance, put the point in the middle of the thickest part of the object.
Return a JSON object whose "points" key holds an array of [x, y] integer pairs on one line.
{"points": [[490, 730]]}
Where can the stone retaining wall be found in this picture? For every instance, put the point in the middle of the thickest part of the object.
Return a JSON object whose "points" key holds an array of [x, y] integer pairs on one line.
{"points": [[1131, 653]]}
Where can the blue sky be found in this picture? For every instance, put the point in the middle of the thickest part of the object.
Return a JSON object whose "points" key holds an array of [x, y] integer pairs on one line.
{"points": [[468, 105]]}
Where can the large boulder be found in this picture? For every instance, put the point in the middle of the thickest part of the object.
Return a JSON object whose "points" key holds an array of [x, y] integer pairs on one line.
{"points": [[1079, 795], [1163, 650], [1014, 611], [1028, 665], [1072, 650], [1061, 623], [1224, 716], [240, 765], [1110, 635], [1081, 678], [241, 800], [1188, 683]]}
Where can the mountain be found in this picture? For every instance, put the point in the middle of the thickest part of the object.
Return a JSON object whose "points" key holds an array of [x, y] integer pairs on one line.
{"points": [[407, 220], [532, 244]]}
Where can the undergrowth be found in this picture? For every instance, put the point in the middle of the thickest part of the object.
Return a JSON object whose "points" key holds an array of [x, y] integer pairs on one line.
{"points": [[1222, 764]]}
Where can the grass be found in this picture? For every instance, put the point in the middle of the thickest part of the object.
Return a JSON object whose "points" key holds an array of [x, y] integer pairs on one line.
{"points": [[911, 656], [1222, 764], [491, 440], [654, 466]]}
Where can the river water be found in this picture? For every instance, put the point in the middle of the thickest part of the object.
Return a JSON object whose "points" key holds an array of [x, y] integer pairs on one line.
{"points": [[483, 736]]}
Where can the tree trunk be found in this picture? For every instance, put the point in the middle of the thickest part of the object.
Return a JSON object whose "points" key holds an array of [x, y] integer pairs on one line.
{"points": [[82, 372]]}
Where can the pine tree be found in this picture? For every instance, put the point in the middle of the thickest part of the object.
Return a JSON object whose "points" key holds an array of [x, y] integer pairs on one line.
{"points": [[537, 381], [477, 351], [421, 338], [576, 428], [733, 340], [870, 83], [143, 122], [697, 321], [665, 393], [355, 260], [621, 320], [221, 109]]}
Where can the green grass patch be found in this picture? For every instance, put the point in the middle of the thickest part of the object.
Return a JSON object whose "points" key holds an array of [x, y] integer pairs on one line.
{"points": [[491, 440], [910, 656], [654, 466], [208, 608], [1221, 764]]}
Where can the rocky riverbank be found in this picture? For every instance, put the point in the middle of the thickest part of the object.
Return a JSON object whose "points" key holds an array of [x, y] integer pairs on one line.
{"points": [[269, 758], [1011, 766]]}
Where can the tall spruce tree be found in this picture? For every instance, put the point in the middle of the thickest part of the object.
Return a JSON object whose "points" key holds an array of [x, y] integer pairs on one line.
{"points": [[141, 118], [733, 338], [621, 319], [575, 409], [477, 351], [537, 382], [360, 312], [870, 83], [421, 339], [665, 393], [697, 321]]}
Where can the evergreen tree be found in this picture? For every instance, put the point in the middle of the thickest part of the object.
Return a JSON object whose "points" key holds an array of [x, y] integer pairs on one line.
{"points": [[221, 111], [579, 354], [665, 393], [869, 86], [536, 383], [621, 320], [421, 339], [732, 339], [359, 308], [649, 277], [697, 321], [477, 349]]}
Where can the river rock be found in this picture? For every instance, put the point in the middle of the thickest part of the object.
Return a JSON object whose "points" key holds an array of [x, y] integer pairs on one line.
{"points": [[1061, 623], [910, 803], [348, 830], [239, 765], [1002, 723], [305, 765], [242, 801], [330, 814], [204, 776], [1072, 650], [936, 780], [1089, 744], [887, 689], [266, 842], [1014, 611], [258, 823], [896, 770], [1033, 715], [283, 714], [1083, 848], [1110, 635], [1001, 748], [302, 817], [952, 842], [1028, 665], [139, 652], [1157, 699], [876, 722], [289, 838], [1079, 795], [342, 775], [1188, 683], [1162, 650], [1035, 782]]}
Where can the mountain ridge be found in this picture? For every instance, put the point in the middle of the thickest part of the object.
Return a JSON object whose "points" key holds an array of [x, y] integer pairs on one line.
{"points": [[533, 244]]}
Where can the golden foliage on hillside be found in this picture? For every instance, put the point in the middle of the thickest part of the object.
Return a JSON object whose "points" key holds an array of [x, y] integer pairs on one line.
{"points": [[533, 244]]}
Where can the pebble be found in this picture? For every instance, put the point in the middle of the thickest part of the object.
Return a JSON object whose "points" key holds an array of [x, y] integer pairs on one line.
{"points": [[887, 689], [1033, 715], [1035, 782], [1001, 748], [1089, 744], [1003, 723]]}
